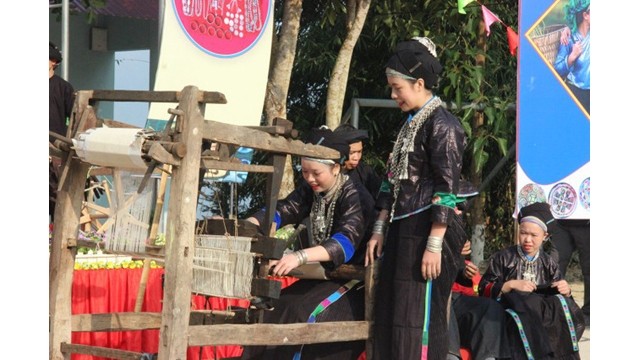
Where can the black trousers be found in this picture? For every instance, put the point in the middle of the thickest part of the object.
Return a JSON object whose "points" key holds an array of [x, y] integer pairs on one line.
{"points": [[572, 235]]}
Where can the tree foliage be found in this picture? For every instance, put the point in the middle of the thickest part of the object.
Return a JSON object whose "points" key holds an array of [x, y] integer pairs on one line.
{"points": [[90, 5]]}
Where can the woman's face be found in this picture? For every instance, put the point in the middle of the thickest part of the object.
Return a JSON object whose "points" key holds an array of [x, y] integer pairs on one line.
{"points": [[318, 175], [410, 95], [531, 237], [355, 155]]}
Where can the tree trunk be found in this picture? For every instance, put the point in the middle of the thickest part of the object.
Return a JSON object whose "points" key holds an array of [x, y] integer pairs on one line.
{"points": [[477, 210], [282, 59], [357, 11]]}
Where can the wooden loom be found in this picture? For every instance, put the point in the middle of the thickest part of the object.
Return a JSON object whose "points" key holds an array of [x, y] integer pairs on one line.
{"points": [[181, 147]]}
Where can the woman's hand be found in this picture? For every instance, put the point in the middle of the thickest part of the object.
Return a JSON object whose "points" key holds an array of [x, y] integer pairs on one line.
{"points": [[470, 270], [431, 265], [374, 249], [520, 285], [283, 266], [562, 286], [576, 51]]}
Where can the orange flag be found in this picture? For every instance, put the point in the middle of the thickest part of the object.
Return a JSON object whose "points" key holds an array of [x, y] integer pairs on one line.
{"points": [[514, 41], [489, 18]]}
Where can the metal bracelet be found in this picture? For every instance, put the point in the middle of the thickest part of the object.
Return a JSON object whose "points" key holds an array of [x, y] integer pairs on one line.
{"points": [[302, 257], [379, 227], [298, 257], [434, 243]]}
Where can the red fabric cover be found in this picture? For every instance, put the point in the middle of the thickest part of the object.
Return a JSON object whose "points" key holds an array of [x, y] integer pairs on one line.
{"points": [[466, 290], [115, 290]]}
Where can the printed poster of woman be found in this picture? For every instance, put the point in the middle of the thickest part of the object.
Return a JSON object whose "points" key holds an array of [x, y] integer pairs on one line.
{"points": [[563, 37]]}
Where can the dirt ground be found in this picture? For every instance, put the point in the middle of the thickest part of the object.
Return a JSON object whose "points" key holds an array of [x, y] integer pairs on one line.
{"points": [[574, 277]]}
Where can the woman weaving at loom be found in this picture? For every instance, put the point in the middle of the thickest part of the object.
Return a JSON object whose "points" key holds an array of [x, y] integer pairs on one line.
{"points": [[340, 212]]}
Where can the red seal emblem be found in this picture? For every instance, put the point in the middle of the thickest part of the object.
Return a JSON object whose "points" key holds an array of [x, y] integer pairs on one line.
{"points": [[223, 28]]}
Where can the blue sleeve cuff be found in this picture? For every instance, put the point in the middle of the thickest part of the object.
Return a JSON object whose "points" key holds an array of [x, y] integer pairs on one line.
{"points": [[278, 220], [346, 245]]}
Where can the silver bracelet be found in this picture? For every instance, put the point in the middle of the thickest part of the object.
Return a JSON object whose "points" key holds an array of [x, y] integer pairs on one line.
{"points": [[379, 227], [299, 257], [302, 257], [434, 244]]}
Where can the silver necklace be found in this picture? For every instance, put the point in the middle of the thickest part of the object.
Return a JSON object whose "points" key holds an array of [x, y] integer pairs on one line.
{"points": [[322, 210], [398, 168], [529, 272]]}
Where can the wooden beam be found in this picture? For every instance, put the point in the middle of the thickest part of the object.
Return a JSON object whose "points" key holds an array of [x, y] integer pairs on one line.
{"points": [[116, 321], [225, 165], [98, 208], [101, 171], [209, 97], [159, 153], [100, 351], [347, 271], [260, 140], [371, 278], [278, 334]]}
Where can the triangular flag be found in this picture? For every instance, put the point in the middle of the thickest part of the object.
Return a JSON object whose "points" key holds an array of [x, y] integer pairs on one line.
{"points": [[514, 41], [489, 18], [462, 4]]}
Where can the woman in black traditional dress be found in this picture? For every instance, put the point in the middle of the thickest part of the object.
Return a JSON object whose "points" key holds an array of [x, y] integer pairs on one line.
{"points": [[425, 236], [340, 212], [544, 321]]}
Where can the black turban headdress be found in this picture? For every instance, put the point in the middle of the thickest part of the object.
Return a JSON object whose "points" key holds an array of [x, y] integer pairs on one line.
{"points": [[325, 137], [350, 134], [54, 53], [416, 58], [540, 211]]}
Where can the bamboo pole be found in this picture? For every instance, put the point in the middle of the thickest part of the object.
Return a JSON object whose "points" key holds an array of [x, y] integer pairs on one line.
{"points": [[152, 235]]}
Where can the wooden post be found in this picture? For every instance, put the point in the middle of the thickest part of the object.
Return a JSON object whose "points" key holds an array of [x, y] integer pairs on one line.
{"points": [[62, 257], [370, 278], [65, 234], [181, 232]]}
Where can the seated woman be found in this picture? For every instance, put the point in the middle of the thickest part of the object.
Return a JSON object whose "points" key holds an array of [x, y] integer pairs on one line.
{"points": [[477, 323], [544, 321], [341, 214]]}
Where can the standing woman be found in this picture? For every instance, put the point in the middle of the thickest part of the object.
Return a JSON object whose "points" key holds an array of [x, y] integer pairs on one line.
{"points": [[425, 235]]}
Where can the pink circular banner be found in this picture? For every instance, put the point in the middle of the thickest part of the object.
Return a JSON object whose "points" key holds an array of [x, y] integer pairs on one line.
{"points": [[223, 28]]}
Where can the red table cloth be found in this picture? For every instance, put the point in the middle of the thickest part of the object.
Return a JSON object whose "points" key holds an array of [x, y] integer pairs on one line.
{"points": [[115, 290]]}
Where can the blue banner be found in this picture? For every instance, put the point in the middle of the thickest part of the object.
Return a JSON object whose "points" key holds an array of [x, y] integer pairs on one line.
{"points": [[553, 140]]}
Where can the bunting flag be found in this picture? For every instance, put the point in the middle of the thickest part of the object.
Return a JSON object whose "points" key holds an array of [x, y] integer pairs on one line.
{"points": [[489, 18], [462, 4], [513, 39]]}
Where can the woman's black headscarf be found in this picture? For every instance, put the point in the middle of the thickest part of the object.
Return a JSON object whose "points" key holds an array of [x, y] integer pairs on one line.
{"points": [[417, 58], [541, 211], [325, 137], [350, 134]]}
